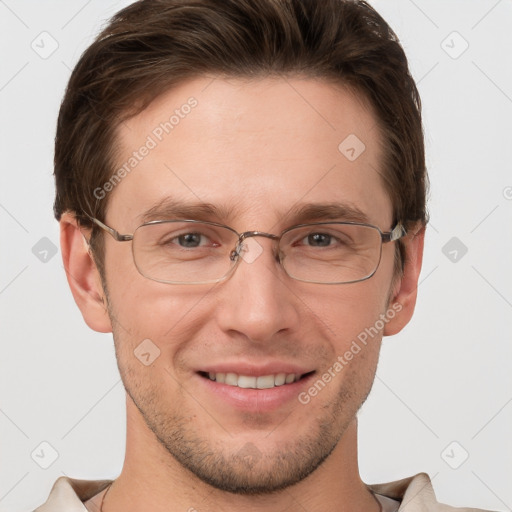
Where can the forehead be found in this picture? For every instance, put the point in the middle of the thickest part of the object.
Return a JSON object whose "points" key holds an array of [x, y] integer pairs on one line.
{"points": [[255, 150]]}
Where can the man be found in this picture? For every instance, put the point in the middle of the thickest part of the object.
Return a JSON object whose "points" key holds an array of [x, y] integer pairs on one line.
{"points": [[241, 193]]}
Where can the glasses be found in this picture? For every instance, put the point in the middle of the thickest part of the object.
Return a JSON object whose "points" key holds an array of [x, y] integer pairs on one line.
{"points": [[199, 252]]}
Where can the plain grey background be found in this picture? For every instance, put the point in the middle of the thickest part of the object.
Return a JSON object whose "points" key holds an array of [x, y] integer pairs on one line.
{"points": [[441, 402]]}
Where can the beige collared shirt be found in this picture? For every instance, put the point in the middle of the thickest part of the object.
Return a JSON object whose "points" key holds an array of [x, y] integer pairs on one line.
{"points": [[414, 494]]}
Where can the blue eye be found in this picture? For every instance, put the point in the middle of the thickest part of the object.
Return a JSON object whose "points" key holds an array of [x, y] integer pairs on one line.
{"points": [[319, 239], [189, 240]]}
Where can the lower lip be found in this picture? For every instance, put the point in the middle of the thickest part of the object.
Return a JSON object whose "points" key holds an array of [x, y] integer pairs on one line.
{"points": [[256, 400]]}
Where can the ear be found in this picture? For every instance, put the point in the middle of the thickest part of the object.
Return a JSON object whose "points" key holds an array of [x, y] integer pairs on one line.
{"points": [[403, 297], [82, 274]]}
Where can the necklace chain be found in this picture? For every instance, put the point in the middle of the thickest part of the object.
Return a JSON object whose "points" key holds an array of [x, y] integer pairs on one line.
{"points": [[103, 499]]}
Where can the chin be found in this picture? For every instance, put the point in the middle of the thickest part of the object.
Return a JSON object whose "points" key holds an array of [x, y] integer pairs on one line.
{"points": [[260, 467]]}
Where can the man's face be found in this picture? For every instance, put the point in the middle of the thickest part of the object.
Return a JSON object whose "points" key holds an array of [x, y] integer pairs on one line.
{"points": [[256, 151]]}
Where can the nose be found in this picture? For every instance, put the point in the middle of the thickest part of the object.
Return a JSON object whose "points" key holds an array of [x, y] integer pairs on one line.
{"points": [[257, 299]]}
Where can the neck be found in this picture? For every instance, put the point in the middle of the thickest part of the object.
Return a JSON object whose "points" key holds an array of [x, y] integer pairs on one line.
{"points": [[152, 479]]}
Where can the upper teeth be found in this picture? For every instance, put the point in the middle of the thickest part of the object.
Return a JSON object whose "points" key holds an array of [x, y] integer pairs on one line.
{"points": [[247, 381]]}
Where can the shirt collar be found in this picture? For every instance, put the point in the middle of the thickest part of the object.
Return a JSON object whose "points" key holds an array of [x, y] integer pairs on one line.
{"points": [[70, 494]]}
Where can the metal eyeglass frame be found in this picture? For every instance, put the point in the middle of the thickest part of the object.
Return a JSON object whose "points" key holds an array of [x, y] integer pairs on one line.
{"points": [[394, 234]]}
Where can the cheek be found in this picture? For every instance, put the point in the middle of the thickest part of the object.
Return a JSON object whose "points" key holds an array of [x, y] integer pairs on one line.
{"points": [[346, 311], [150, 317], [141, 306], [163, 316]]}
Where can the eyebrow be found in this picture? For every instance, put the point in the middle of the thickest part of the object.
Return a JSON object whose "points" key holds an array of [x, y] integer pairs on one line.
{"points": [[310, 212], [171, 208]]}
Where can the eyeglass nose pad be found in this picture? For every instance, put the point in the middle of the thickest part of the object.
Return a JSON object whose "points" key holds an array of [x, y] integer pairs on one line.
{"points": [[235, 253]]}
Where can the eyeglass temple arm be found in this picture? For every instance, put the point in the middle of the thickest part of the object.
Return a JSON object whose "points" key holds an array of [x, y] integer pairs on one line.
{"points": [[115, 234], [395, 234]]}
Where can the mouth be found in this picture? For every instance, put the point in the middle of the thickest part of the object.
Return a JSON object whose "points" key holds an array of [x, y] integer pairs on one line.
{"points": [[263, 387], [255, 382]]}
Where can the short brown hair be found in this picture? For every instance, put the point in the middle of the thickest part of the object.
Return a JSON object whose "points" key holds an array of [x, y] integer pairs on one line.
{"points": [[152, 45]]}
